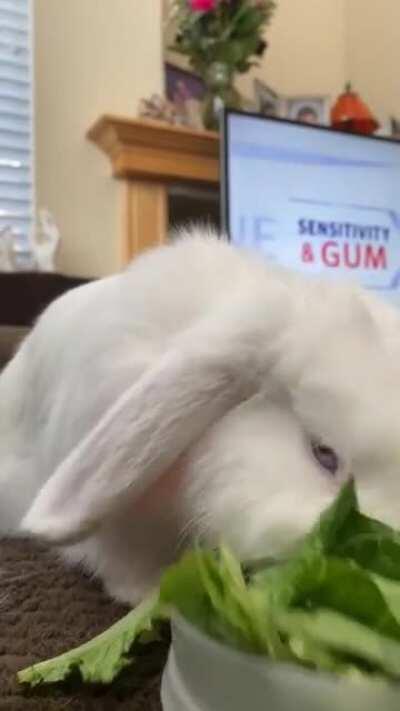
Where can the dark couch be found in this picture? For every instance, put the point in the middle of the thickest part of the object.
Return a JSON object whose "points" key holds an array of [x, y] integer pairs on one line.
{"points": [[23, 296]]}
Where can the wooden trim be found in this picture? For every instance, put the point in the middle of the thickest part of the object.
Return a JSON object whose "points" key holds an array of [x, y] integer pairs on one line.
{"points": [[149, 155], [144, 216], [156, 151]]}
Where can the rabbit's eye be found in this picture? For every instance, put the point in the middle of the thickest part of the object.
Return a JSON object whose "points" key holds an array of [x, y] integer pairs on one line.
{"points": [[326, 457]]}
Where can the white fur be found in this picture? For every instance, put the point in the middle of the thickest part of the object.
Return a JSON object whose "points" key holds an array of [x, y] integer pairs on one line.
{"points": [[179, 398]]}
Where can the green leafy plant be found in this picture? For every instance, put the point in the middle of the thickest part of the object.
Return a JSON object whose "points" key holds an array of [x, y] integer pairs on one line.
{"points": [[333, 606], [223, 31]]}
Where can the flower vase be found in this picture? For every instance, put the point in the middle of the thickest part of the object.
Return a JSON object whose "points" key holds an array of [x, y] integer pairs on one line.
{"points": [[220, 93]]}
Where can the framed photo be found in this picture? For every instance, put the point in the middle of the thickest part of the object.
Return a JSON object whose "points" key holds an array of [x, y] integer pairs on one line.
{"points": [[385, 129], [395, 128], [182, 85], [308, 109], [186, 91], [268, 102]]}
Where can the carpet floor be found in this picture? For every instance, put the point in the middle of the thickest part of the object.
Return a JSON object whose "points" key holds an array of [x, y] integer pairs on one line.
{"points": [[46, 609]]}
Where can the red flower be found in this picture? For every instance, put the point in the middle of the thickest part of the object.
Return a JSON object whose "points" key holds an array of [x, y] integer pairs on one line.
{"points": [[203, 5]]}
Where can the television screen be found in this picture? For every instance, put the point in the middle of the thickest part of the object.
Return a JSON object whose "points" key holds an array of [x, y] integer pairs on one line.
{"points": [[313, 199]]}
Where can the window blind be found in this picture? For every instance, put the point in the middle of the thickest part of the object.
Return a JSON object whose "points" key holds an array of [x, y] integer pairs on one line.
{"points": [[16, 134]]}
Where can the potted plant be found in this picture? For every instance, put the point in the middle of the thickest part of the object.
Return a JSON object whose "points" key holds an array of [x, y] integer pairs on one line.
{"points": [[221, 38]]}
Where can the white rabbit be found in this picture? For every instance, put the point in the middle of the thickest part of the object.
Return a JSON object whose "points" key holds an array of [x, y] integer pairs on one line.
{"points": [[192, 395]]}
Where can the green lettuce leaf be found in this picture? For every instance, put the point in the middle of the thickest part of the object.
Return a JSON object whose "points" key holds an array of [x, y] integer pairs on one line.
{"points": [[390, 590], [318, 581], [372, 545], [337, 520], [104, 657], [343, 531], [209, 589], [330, 630]]}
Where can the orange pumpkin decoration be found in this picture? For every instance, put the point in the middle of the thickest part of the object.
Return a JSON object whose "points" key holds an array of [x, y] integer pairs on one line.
{"points": [[351, 114]]}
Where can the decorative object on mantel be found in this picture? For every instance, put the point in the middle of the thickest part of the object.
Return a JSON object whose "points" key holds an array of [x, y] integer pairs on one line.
{"points": [[351, 114], [308, 109], [158, 109], [304, 108], [220, 38], [268, 101]]}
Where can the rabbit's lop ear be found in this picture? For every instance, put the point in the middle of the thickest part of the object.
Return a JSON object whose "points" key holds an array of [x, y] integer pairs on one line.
{"points": [[207, 372]]}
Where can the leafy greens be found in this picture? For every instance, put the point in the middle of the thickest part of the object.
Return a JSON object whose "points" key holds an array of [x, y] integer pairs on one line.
{"points": [[335, 605]]}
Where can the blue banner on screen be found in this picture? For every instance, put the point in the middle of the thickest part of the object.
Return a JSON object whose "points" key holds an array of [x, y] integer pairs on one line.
{"points": [[314, 200]]}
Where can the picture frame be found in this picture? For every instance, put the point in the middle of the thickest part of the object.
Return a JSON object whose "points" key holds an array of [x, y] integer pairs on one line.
{"points": [[385, 129], [186, 91], [267, 101], [310, 109], [182, 84], [395, 128]]}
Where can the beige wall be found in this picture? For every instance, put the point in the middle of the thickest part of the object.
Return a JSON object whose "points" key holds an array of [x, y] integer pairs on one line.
{"points": [[373, 53], [92, 56], [307, 48]]}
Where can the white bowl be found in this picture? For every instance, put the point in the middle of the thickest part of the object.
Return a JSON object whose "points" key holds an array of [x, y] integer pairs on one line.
{"points": [[203, 675]]}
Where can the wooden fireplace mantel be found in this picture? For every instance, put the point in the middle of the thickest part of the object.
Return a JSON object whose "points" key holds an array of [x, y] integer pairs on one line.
{"points": [[148, 156], [157, 151]]}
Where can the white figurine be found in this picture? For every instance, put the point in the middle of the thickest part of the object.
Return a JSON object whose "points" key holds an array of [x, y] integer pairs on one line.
{"points": [[46, 242], [6, 250]]}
